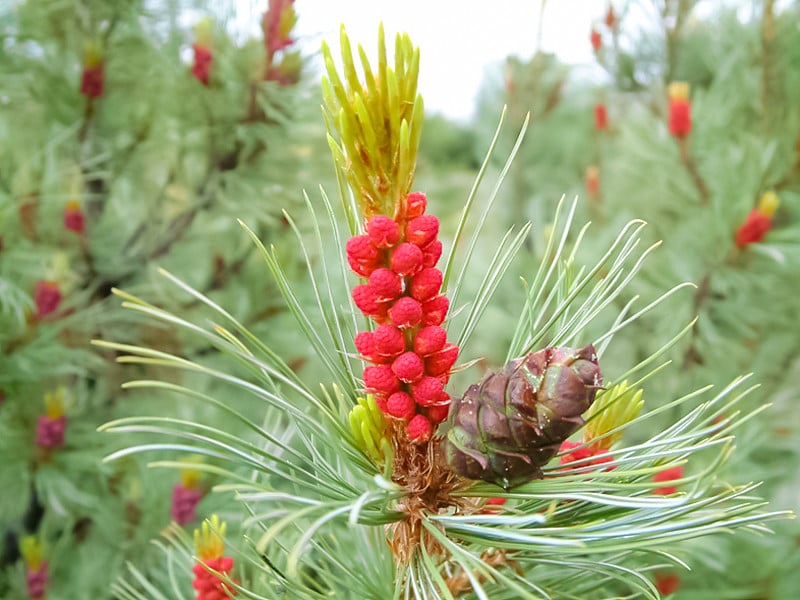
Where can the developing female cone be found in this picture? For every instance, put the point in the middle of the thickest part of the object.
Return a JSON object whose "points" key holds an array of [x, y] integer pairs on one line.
{"points": [[503, 429]]}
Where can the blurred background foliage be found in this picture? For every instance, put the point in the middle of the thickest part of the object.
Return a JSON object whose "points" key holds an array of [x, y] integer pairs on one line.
{"points": [[161, 163]]}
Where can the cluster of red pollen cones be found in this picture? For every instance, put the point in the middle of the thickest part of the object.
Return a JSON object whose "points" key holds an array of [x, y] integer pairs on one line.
{"points": [[410, 356]]}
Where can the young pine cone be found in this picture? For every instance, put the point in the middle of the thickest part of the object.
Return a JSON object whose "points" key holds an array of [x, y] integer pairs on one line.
{"points": [[503, 429]]}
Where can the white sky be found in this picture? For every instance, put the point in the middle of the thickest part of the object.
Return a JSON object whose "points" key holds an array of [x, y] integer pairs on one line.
{"points": [[457, 39]]}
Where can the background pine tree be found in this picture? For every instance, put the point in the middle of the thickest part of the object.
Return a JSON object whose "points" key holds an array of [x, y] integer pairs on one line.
{"points": [[132, 132]]}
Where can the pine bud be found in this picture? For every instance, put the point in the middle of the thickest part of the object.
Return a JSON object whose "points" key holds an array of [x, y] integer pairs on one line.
{"points": [[388, 340], [386, 283], [381, 379], [428, 391], [405, 312], [361, 268], [426, 284], [365, 344], [406, 259], [360, 249], [438, 412], [401, 405], [435, 310], [503, 429], [210, 586], [367, 299], [383, 232], [442, 361], [368, 427], [36, 576], [419, 429], [416, 203], [408, 367], [431, 253], [429, 340], [422, 230], [613, 408], [492, 506]]}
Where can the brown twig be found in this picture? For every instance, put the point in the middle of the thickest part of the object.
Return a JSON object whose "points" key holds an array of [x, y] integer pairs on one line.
{"points": [[767, 71], [673, 33], [691, 167], [429, 484], [692, 356]]}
